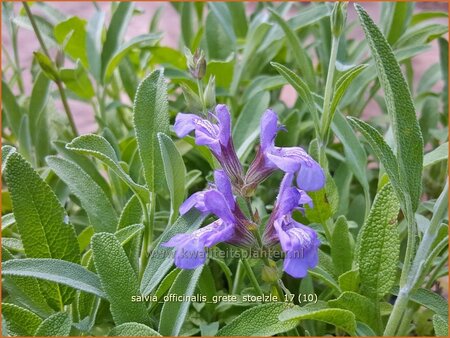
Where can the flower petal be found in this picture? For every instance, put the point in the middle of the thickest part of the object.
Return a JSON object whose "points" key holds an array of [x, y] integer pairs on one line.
{"points": [[224, 118], [269, 128], [216, 203], [311, 176], [190, 255], [284, 159], [184, 124], [223, 184], [196, 200]]}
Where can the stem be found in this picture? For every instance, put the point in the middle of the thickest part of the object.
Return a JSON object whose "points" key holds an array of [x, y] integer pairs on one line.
{"points": [[57, 79], [397, 313], [200, 95], [149, 216], [17, 60], [238, 277], [252, 277], [327, 116]]}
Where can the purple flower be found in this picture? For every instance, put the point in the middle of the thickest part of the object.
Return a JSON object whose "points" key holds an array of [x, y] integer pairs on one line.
{"points": [[231, 227], [190, 249], [215, 133], [310, 176], [300, 244]]}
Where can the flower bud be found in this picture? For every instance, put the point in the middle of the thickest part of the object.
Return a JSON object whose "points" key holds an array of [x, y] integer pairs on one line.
{"points": [[196, 63], [338, 17]]}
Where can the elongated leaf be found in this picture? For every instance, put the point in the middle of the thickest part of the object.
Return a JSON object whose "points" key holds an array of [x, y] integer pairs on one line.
{"points": [[58, 325], [408, 138], [101, 213], [219, 34], [173, 314], [116, 31], [363, 308], [118, 279], [151, 116], [55, 270], [100, 148], [133, 330], [341, 246], [44, 231], [384, 154], [260, 320], [247, 129], [13, 112], [6, 152], [175, 172], [437, 155], [354, 152], [19, 321], [340, 318], [94, 43], [75, 45], [429, 299], [379, 245], [301, 88], [161, 259], [141, 40], [301, 57]]}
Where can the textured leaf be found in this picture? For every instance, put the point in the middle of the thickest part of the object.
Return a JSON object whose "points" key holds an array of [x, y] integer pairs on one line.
{"points": [[349, 281], [133, 330], [20, 321], [42, 223], [246, 129], [437, 155], [161, 259], [175, 172], [363, 308], [6, 151], [440, 326], [261, 320], [58, 325], [116, 31], [55, 270], [340, 318], [407, 135], [173, 314], [379, 245], [341, 246], [118, 279], [151, 116], [94, 43], [429, 299], [100, 148], [101, 213]]}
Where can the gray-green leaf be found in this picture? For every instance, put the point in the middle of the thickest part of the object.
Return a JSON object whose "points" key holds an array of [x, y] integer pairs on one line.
{"points": [[132, 329], [58, 324]]}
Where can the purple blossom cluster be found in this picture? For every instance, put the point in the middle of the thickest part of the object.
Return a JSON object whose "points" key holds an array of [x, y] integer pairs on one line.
{"points": [[302, 174]]}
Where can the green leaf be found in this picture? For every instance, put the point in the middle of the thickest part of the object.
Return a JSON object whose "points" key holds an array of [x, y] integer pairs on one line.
{"points": [[246, 129], [101, 213], [77, 80], [98, 147], [342, 84], [47, 65], [58, 324], [118, 279], [138, 41], [116, 31], [437, 155], [13, 112], [7, 221], [342, 319], [301, 88], [341, 246], [76, 44], [325, 202], [161, 259], [384, 154], [175, 172], [219, 35], [261, 320], [440, 325], [355, 155], [349, 281], [397, 19], [173, 314], [222, 70], [363, 308], [20, 321], [151, 116], [301, 57], [94, 44], [131, 213], [429, 299], [38, 116], [237, 11], [443, 55], [24, 138], [45, 232], [132, 329], [378, 246], [186, 15], [6, 152], [55, 270], [407, 135]]}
